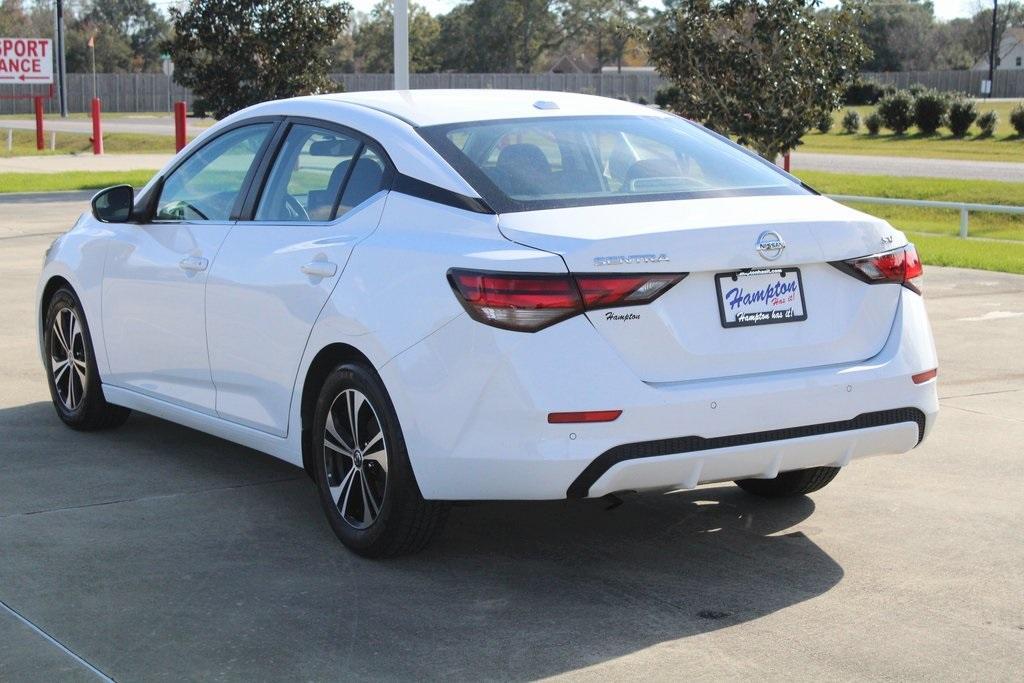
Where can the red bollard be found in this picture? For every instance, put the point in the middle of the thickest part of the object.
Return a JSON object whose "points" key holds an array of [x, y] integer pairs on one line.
{"points": [[97, 129], [179, 126], [785, 162], [40, 144]]}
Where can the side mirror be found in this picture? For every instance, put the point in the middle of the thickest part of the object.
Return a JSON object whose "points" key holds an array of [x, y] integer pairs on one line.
{"points": [[114, 204]]}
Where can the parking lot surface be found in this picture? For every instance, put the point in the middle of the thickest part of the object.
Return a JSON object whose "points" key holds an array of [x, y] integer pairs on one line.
{"points": [[154, 552]]}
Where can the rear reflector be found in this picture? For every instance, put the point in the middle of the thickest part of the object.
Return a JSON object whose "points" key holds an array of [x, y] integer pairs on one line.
{"points": [[922, 377], [585, 416], [528, 302], [899, 266]]}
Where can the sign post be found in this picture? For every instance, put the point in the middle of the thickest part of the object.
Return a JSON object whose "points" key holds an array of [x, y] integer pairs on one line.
{"points": [[38, 101]]}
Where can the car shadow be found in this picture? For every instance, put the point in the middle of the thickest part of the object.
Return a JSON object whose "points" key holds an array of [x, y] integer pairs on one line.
{"points": [[251, 582]]}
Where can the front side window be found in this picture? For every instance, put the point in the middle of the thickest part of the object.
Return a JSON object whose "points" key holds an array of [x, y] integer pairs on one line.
{"points": [[206, 186], [542, 163]]}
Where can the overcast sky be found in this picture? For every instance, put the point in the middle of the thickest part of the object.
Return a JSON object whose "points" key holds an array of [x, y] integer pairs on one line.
{"points": [[944, 9]]}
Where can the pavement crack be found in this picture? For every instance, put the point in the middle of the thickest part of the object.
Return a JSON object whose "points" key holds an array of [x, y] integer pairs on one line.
{"points": [[31, 234], [979, 393], [53, 641], [980, 412], [177, 494]]}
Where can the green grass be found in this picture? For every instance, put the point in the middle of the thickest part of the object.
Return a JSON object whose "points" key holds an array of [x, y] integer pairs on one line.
{"points": [[24, 143], [936, 250], [1000, 243], [1005, 145], [73, 180], [935, 221]]}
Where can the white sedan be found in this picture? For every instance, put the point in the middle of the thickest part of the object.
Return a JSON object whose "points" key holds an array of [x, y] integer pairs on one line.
{"points": [[428, 296]]}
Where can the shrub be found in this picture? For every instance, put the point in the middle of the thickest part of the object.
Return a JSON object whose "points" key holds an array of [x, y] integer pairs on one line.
{"points": [[666, 97], [851, 121], [824, 123], [988, 122], [897, 111], [873, 122], [930, 111], [862, 92], [962, 113], [916, 89], [1017, 119]]}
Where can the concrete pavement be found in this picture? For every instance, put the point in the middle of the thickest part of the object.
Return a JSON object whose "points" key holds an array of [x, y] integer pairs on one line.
{"points": [[62, 163], [156, 552], [901, 166]]}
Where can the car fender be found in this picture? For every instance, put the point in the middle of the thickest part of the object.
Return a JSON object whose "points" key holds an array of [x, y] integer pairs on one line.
{"points": [[78, 256]]}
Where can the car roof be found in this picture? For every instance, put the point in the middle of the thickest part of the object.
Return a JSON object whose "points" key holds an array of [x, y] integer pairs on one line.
{"points": [[434, 107]]}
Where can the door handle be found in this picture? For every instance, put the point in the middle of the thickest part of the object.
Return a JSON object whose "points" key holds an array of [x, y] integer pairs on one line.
{"points": [[193, 264], [320, 269]]}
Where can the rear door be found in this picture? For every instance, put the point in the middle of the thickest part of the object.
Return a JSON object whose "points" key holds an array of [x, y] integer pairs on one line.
{"points": [[324, 190]]}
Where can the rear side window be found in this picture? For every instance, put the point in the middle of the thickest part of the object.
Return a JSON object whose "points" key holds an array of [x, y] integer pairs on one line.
{"points": [[367, 179], [308, 176], [207, 184], [552, 162]]}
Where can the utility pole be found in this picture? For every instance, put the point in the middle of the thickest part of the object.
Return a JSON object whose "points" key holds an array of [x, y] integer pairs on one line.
{"points": [[992, 50], [62, 67], [401, 44]]}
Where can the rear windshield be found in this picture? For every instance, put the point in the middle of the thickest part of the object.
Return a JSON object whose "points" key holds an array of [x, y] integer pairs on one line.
{"points": [[543, 163]]}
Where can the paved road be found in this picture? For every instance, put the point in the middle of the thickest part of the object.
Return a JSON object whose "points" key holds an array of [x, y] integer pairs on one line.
{"points": [[156, 552], [154, 125], [909, 166], [63, 163]]}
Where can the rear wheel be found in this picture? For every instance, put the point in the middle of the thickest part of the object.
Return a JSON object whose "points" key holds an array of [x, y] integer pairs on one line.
{"points": [[71, 368], [366, 484], [795, 483]]}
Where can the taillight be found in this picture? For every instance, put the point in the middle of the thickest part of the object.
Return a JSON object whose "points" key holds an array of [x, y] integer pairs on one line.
{"points": [[528, 302], [899, 266]]}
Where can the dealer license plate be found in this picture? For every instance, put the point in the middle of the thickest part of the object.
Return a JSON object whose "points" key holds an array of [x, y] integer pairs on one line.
{"points": [[760, 297]]}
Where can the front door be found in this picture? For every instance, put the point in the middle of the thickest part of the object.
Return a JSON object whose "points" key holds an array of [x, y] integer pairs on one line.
{"points": [[155, 276], [274, 273]]}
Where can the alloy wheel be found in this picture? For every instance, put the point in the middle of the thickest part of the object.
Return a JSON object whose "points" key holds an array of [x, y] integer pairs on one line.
{"points": [[67, 359], [355, 458]]}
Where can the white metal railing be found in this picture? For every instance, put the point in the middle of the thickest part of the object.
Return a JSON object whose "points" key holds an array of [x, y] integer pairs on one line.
{"points": [[963, 207]]}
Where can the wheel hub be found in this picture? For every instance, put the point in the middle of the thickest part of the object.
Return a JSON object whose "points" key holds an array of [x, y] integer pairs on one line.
{"points": [[355, 458]]}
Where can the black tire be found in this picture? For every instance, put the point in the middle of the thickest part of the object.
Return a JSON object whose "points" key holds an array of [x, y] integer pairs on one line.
{"points": [[71, 371], [795, 483], [373, 503]]}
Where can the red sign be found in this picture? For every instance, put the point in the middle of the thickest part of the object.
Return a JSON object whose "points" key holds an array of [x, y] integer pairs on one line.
{"points": [[26, 60]]}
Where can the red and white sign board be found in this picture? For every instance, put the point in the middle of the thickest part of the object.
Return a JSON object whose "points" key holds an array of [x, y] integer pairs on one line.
{"points": [[26, 60]]}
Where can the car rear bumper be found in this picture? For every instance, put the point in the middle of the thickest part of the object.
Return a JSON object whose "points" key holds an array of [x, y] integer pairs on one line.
{"points": [[473, 403]]}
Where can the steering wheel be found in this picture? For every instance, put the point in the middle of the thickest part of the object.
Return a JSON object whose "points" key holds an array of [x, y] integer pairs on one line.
{"points": [[295, 207], [176, 210]]}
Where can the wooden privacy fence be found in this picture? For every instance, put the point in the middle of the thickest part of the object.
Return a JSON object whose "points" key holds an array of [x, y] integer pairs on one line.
{"points": [[1005, 84], [156, 92]]}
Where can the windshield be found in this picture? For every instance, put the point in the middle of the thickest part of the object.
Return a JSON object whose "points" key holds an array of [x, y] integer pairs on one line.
{"points": [[543, 163]]}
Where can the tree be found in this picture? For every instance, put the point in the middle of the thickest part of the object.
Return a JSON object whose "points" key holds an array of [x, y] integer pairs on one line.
{"points": [[137, 22], [898, 33], [979, 32], [374, 45], [765, 71], [604, 27], [499, 35], [234, 53]]}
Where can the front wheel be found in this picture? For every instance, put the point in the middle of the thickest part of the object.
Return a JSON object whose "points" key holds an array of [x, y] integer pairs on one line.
{"points": [[366, 484], [794, 483], [71, 368]]}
